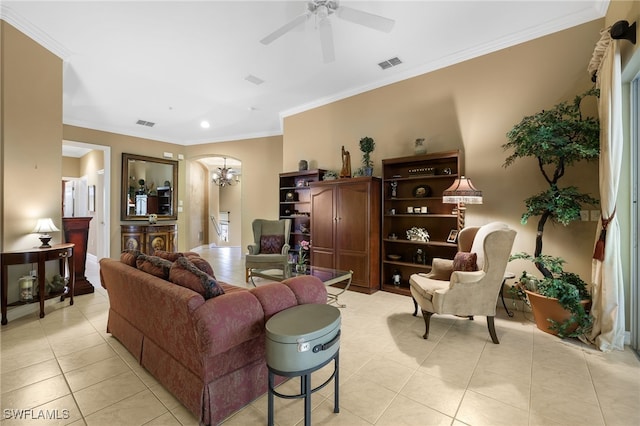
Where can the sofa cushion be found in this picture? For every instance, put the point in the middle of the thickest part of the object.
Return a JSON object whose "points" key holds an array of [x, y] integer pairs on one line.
{"points": [[129, 257], [271, 244], [154, 265], [467, 262], [184, 273]]}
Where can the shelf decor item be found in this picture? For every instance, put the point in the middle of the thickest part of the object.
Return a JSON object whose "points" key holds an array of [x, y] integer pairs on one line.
{"points": [[417, 234], [367, 145], [302, 256], [422, 191], [420, 147]]}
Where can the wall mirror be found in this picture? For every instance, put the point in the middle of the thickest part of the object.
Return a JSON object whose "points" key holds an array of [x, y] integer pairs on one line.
{"points": [[148, 187]]}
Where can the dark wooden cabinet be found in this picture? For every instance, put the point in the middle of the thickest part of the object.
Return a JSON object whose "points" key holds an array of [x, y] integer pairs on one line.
{"points": [[149, 238], [76, 231], [412, 188], [345, 228], [295, 203]]}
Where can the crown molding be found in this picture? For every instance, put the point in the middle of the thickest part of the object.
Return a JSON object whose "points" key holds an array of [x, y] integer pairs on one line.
{"points": [[18, 21]]}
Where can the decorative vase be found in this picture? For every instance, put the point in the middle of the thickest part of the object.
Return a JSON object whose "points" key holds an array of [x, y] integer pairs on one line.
{"points": [[303, 165], [420, 147], [545, 308], [368, 171], [301, 268]]}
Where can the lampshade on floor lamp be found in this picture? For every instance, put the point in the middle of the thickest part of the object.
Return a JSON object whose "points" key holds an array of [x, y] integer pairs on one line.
{"points": [[44, 226], [462, 192]]}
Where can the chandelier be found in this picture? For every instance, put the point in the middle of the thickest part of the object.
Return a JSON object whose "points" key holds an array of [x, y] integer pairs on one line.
{"points": [[225, 176]]}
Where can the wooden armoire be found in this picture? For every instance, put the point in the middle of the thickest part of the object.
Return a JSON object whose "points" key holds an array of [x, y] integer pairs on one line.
{"points": [[345, 228]]}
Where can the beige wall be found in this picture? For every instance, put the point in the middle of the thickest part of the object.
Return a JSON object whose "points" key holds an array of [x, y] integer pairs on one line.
{"points": [[31, 135], [71, 167], [261, 162], [469, 106]]}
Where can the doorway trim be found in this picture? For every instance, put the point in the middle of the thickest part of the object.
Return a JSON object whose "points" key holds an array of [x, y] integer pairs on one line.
{"points": [[103, 239]]}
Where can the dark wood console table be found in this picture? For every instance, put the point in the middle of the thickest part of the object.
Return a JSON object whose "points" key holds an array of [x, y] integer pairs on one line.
{"points": [[59, 252]]}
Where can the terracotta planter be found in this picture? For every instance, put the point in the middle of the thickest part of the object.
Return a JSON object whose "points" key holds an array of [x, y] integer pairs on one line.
{"points": [[548, 307]]}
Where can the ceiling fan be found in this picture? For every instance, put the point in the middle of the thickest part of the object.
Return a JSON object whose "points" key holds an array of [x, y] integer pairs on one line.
{"points": [[322, 9]]}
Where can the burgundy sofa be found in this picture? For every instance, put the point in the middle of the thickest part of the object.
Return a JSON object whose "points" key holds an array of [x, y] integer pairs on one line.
{"points": [[210, 354]]}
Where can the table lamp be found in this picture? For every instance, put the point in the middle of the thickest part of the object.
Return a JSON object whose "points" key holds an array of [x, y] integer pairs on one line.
{"points": [[44, 226], [462, 192]]}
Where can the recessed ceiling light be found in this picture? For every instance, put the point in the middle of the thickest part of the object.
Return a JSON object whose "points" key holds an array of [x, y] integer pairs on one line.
{"points": [[205, 124]]}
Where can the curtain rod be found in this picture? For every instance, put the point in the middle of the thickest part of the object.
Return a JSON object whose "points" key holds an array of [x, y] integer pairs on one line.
{"points": [[621, 30]]}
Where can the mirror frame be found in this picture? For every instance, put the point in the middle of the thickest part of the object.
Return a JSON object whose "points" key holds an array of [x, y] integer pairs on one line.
{"points": [[124, 213]]}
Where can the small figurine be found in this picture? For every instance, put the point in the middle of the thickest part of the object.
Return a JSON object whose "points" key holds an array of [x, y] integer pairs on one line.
{"points": [[394, 189], [419, 257], [396, 278], [345, 172]]}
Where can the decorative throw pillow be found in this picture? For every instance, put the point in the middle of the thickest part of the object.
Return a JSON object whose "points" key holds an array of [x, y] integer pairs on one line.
{"points": [[201, 263], [466, 262], [184, 273], [154, 265], [169, 255], [129, 257], [271, 244]]}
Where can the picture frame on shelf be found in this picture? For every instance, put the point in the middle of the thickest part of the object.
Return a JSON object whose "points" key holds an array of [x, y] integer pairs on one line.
{"points": [[453, 236]]}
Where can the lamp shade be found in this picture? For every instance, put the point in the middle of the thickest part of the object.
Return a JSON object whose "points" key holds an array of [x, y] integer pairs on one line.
{"points": [[462, 191], [44, 226]]}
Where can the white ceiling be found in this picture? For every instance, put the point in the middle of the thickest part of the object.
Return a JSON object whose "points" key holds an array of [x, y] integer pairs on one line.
{"points": [[178, 63]]}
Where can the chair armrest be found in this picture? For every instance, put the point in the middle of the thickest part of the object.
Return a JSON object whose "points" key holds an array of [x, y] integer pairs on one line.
{"points": [[254, 249], [285, 249], [461, 277], [441, 269]]}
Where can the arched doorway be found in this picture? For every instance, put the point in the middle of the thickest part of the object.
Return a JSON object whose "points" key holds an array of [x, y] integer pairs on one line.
{"points": [[221, 208]]}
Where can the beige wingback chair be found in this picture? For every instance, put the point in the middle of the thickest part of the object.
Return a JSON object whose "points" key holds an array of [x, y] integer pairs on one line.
{"points": [[266, 233], [445, 291]]}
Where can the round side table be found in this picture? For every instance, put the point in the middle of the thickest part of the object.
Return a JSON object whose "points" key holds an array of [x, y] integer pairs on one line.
{"points": [[301, 340]]}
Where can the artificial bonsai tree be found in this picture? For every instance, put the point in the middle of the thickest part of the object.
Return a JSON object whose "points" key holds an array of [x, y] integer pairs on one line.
{"points": [[557, 138], [367, 145]]}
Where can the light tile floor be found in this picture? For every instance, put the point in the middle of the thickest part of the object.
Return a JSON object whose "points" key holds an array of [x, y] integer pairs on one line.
{"points": [[68, 367]]}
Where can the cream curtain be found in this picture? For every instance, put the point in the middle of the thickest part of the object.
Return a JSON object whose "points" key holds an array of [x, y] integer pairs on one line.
{"points": [[608, 291]]}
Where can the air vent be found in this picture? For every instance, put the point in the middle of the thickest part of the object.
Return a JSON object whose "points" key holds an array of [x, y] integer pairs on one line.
{"points": [[390, 63], [253, 79], [145, 123]]}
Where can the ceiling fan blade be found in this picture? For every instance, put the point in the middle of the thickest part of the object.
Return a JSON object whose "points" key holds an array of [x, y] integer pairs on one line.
{"points": [[366, 19], [326, 41], [286, 28]]}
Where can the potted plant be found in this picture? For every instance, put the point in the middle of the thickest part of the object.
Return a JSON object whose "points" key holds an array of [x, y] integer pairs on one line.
{"points": [[367, 145], [560, 302], [557, 138]]}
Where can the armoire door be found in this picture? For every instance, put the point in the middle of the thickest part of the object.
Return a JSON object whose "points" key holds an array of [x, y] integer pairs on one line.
{"points": [[323, 219], [352, 231]]}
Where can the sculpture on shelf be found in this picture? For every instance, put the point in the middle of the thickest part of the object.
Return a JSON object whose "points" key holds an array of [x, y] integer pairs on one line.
{"points": [[345, 172]]}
